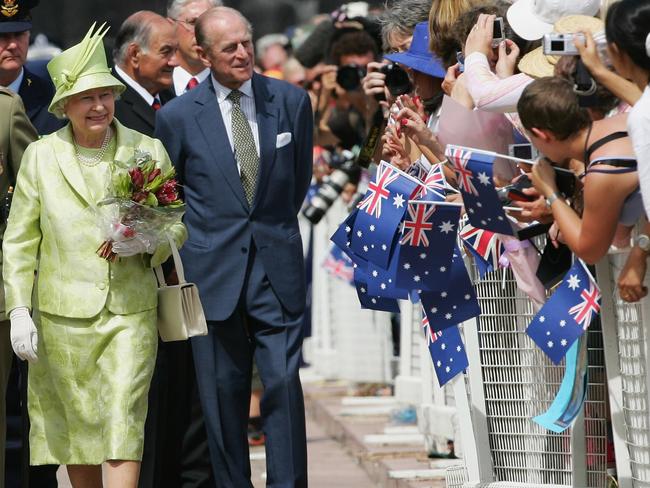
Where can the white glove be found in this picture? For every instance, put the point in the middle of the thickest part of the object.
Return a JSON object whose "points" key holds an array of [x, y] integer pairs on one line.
{"points": [[24, 337], [140, 244]]}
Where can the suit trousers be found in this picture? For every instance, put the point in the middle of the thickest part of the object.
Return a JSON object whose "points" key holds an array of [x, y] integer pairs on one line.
{"points": [[262, 330], [6, 358], [14, 468], [176, 447]]}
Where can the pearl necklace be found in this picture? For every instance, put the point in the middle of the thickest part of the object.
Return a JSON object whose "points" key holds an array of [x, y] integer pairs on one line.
{"points": [[96, 159]]}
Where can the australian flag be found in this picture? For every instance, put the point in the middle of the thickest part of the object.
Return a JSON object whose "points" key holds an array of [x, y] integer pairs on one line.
{"points": [[339, 265], [484, 245], [342, 239], [447, 351], [482, 203], [455, 301], [368, 300], [433, 185], [426, 246], [383, 282], [380, 213], [567, 314]]}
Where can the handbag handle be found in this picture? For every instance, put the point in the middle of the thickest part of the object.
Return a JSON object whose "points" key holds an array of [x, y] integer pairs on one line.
{"points": [[178, 264]]}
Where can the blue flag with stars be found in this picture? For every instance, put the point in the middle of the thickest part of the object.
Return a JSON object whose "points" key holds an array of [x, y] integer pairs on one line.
{"points": [[474, 172], [567, 314], [455, 302], [426, 246], [383, 282], [341, 238], [367, 300], [447, 351], [380, 213]]}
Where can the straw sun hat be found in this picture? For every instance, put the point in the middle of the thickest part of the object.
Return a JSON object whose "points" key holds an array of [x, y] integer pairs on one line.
{"points": [[81, 67], [537, 64]]}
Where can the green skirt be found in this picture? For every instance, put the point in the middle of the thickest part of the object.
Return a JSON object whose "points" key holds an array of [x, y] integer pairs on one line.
{"points": [[87, 394]]}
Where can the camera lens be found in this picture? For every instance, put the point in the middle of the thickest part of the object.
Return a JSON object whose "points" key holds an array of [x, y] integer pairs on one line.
{"points": [[397, 80], [349, 77]]}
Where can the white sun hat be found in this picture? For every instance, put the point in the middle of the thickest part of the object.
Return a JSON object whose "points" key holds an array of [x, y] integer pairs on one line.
{"points": [[531, 19]]}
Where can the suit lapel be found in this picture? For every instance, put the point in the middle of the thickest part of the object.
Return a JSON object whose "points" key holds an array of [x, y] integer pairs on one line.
{"points": [[138, 105], [65, 155], [210, 122], [267, 125]]}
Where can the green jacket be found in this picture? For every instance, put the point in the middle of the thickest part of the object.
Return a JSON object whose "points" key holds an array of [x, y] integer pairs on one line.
{"points": [[16, 133], [52, 230]]}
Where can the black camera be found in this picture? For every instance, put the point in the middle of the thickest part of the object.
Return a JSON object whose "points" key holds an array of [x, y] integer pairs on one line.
{"points": [[514, 192], [345, 171], [397, 79], [349, 78]]}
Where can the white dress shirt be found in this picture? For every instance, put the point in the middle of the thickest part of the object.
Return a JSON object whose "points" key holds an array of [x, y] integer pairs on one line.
{"points": [[638, 126], [148, 97], [181, 77], [247, 104], [14, 86]]}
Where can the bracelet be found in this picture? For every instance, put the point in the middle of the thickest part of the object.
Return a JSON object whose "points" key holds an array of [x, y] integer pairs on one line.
{"points": [[551, 199]]}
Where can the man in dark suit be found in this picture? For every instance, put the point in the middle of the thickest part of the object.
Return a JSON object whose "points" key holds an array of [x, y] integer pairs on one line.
{"points": [[242, 147], [36, 92], [145, 57]]}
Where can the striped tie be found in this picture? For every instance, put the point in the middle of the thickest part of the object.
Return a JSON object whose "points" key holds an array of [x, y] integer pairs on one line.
{"points": [[244, 143]]}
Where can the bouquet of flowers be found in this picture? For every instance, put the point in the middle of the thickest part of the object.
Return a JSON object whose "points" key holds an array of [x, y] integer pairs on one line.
{"points": [[144, 203]]}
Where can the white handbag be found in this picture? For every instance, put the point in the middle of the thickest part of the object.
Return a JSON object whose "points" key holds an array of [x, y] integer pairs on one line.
{"points": [[180, 313]]}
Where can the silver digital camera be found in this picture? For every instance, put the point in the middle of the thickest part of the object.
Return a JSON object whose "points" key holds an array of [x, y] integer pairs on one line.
{"points": [[561, 44], [498, 34]]}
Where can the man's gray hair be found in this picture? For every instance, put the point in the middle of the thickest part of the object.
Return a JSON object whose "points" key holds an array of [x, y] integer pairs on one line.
{"points": [[401, 17], [136, 29], [175, 7], [200, 27]]}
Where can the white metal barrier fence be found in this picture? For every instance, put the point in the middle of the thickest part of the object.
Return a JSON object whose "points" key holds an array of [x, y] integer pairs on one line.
{"points": [[513, 381], [347, 342]]}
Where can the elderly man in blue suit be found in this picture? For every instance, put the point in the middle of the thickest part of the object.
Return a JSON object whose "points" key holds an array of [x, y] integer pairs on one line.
{"points": [[242, 147]]}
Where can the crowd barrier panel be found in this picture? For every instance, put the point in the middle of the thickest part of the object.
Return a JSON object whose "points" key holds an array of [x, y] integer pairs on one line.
{"points": [[509, 381], [347, 342]]}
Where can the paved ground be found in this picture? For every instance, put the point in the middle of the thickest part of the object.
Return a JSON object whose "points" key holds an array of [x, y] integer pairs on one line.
{"points": [[343, 445], [328, 461]]}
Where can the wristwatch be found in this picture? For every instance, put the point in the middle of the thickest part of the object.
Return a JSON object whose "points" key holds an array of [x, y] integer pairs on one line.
{"points": [[643, 242], [551, 198]]}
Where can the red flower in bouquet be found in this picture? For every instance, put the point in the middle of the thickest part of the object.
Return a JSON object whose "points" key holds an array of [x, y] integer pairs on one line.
{"points": [[149, 188]]}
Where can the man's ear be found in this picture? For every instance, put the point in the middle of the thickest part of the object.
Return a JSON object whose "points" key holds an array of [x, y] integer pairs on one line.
{"points": [[201, 52], [542, 134], [133, 53]]}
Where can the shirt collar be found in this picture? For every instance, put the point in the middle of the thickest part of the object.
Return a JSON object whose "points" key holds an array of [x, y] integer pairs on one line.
{"points": [[14, 86], [148, 97], [181, 76], [222, 91]]}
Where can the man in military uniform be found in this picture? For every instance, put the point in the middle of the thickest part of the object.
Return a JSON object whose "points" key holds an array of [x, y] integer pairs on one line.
{"points": [[16, 132], [36, 92]]}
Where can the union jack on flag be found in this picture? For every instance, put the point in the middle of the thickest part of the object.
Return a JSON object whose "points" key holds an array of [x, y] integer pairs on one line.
{"points": [[587, 307], [460, 157], [339, 265], [378, 191], [567, 314], [430, 335], [484, 245], [433, 185], [416, 227]]}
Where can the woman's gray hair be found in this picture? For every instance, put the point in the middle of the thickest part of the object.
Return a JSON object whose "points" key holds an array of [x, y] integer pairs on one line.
{"points": [[401, 17], [175, 7]]}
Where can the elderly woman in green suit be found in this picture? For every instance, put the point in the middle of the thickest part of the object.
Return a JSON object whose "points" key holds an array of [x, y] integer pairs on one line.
{"points": [[93, 338]]}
